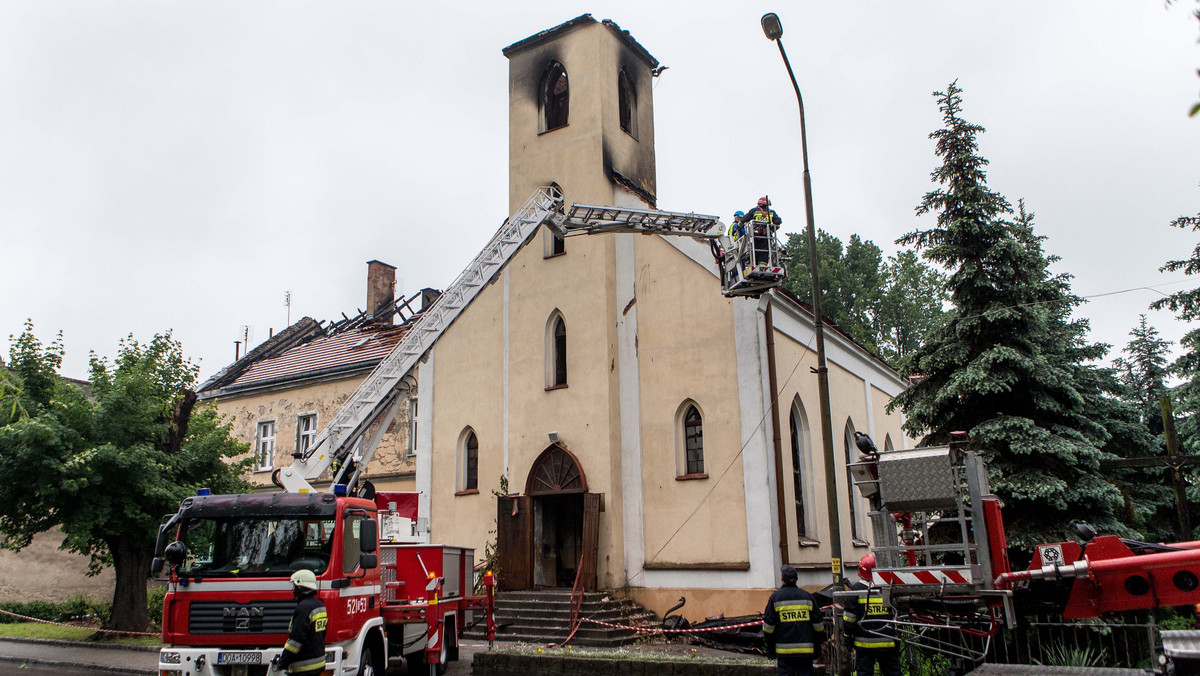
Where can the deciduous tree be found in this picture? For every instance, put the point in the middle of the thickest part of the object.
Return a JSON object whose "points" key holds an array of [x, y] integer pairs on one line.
{"points": [[106, 467]]}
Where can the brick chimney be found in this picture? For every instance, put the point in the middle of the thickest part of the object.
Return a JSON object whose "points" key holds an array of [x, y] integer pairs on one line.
{"points": [[381, 290]]}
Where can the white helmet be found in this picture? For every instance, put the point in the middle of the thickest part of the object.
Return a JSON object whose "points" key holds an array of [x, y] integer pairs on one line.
{"points": [[304, 578]]}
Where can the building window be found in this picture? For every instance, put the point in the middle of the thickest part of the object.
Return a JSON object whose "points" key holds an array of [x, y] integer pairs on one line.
{"points": [[555, 97], [690, 433], [627, 103], [799, 451], [555, 244], [410, 445], [264, 446], [887, 443], [469, 454], [556, 353], [306, 431], [855, 529]]}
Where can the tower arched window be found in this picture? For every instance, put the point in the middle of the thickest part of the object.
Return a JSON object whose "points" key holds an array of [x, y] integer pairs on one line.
{"points": [[554, 97], [556, 352], [627, 103], [469, 462]]}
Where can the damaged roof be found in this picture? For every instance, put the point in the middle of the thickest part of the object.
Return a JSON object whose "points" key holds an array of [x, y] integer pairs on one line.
{"points": [[568, 26], [309, 350]]}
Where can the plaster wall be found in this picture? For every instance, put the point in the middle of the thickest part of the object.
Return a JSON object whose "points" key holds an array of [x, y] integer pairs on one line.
{"points": [[685, 343], [467, 392], [391, 469], [43, 572]]}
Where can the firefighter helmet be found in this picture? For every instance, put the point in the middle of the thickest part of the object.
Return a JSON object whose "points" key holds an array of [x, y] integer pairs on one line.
{"points": [[762, 201], [304, 578], [739, 214], [865, 566]]}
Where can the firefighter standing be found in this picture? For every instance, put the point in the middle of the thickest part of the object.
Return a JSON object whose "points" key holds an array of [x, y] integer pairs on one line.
{"points": [[793, 626], [762, 222], [869, 624], [304, 652]]}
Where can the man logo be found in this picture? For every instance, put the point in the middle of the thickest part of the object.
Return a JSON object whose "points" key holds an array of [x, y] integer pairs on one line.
{"points": [[242, 615]]}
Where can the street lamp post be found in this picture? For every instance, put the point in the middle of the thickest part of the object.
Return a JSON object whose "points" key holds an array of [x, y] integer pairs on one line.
{"points": [[773, 29]]}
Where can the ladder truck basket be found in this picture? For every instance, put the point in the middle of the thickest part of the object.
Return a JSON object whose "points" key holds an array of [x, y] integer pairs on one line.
{"points": [[936, 526]]}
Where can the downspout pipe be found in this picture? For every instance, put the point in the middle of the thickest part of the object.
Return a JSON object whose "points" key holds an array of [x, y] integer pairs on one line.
{"points": [[780, 502]]}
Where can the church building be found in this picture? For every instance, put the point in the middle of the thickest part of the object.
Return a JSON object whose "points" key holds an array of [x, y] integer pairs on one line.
{"points": [[601, 409]]}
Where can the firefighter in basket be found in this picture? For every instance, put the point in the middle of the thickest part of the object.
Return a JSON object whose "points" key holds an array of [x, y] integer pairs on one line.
{"points": [[761, 222], [869, 624], [793, 626], [304, 652]]}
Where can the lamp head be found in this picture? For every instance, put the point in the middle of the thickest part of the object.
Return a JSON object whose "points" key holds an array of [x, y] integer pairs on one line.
{"points": [[772, 28]]}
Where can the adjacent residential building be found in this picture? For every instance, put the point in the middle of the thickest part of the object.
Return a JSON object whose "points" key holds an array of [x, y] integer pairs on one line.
{"points": [[279, 395]]}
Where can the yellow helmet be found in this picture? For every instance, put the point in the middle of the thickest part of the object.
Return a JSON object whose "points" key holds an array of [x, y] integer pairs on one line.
{"points": [[304, 578]]}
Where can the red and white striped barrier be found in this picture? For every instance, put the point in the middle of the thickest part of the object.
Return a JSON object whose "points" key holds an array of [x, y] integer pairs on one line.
{"points": [[931, 576], [656, 630], [63, 624]]}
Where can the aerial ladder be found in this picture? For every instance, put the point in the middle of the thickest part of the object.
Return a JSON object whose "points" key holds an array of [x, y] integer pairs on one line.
{"points": [[348, 441]]}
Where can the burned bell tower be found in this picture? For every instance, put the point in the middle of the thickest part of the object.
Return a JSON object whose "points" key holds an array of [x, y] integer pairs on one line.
{"points": [[581, 115]]}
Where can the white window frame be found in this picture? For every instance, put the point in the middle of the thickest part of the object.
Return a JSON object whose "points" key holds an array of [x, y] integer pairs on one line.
{"points": [[410, 444], [681, 464], [305, 435], [264, 446]]}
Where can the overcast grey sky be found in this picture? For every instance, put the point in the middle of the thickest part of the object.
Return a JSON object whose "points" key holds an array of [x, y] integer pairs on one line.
{"points": [[181, 165]]}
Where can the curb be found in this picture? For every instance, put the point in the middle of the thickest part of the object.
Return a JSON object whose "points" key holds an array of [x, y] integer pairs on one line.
{"points": [[78, 666], [77, 644]]}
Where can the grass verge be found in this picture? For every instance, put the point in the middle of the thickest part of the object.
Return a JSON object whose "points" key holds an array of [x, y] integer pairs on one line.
{"points": [[51, 631]]}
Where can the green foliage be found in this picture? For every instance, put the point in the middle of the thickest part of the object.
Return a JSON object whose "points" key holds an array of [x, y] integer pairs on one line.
{"points": [[154, 602], [1010, 367], [887, 306], [1063, 655], [106, 469], [921, 663]]}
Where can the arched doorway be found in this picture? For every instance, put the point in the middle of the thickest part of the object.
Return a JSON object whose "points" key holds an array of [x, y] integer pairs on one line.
{"points": [[547, 534]]}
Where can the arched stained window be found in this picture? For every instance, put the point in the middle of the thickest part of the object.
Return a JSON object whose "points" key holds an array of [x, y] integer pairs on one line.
{"points": [[469, 461], [556, 343], [693, 439], [627, 103], [555, 97], [799, 430]]}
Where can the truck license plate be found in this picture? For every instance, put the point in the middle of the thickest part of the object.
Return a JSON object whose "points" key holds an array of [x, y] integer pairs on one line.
{"points": [[239, 658]]}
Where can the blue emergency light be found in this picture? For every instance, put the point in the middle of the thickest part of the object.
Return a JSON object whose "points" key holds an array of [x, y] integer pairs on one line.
{"points": [[204, 491], [339, 490]]}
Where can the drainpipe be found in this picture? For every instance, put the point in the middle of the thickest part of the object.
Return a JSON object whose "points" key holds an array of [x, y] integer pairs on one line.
{"points": [[778, 442]]}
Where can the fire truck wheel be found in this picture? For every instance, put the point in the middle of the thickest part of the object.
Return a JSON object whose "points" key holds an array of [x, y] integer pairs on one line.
{"points": [[366, 664]]}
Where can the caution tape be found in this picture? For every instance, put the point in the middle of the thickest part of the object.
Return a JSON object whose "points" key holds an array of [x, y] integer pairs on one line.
{"points": [[657, 630], [64, 624]]}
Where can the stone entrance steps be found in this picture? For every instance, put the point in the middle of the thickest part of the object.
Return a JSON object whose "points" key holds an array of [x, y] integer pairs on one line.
{"points": [[544, 616]]}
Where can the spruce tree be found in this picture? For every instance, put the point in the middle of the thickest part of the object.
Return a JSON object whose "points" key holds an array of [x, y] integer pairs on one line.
{"points": [[1004, 368]]}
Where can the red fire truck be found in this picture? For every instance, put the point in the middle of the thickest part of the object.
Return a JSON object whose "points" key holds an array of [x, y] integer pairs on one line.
{"points": [[229, 600]]}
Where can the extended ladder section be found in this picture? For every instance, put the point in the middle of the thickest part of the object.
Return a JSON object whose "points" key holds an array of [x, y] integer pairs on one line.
{"points": [[590, 219], [749, 265], [374, 401]]}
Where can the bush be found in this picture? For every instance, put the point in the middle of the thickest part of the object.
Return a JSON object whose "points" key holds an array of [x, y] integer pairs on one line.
{"points": [[154, 602], [42, 610]]}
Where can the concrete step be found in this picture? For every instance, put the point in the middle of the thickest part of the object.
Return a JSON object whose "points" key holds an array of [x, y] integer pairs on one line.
{"points": [[543, 616]]}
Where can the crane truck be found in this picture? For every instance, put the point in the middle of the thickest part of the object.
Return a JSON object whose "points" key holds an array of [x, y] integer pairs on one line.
{"points": [[388, 591], [942, 557]]}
